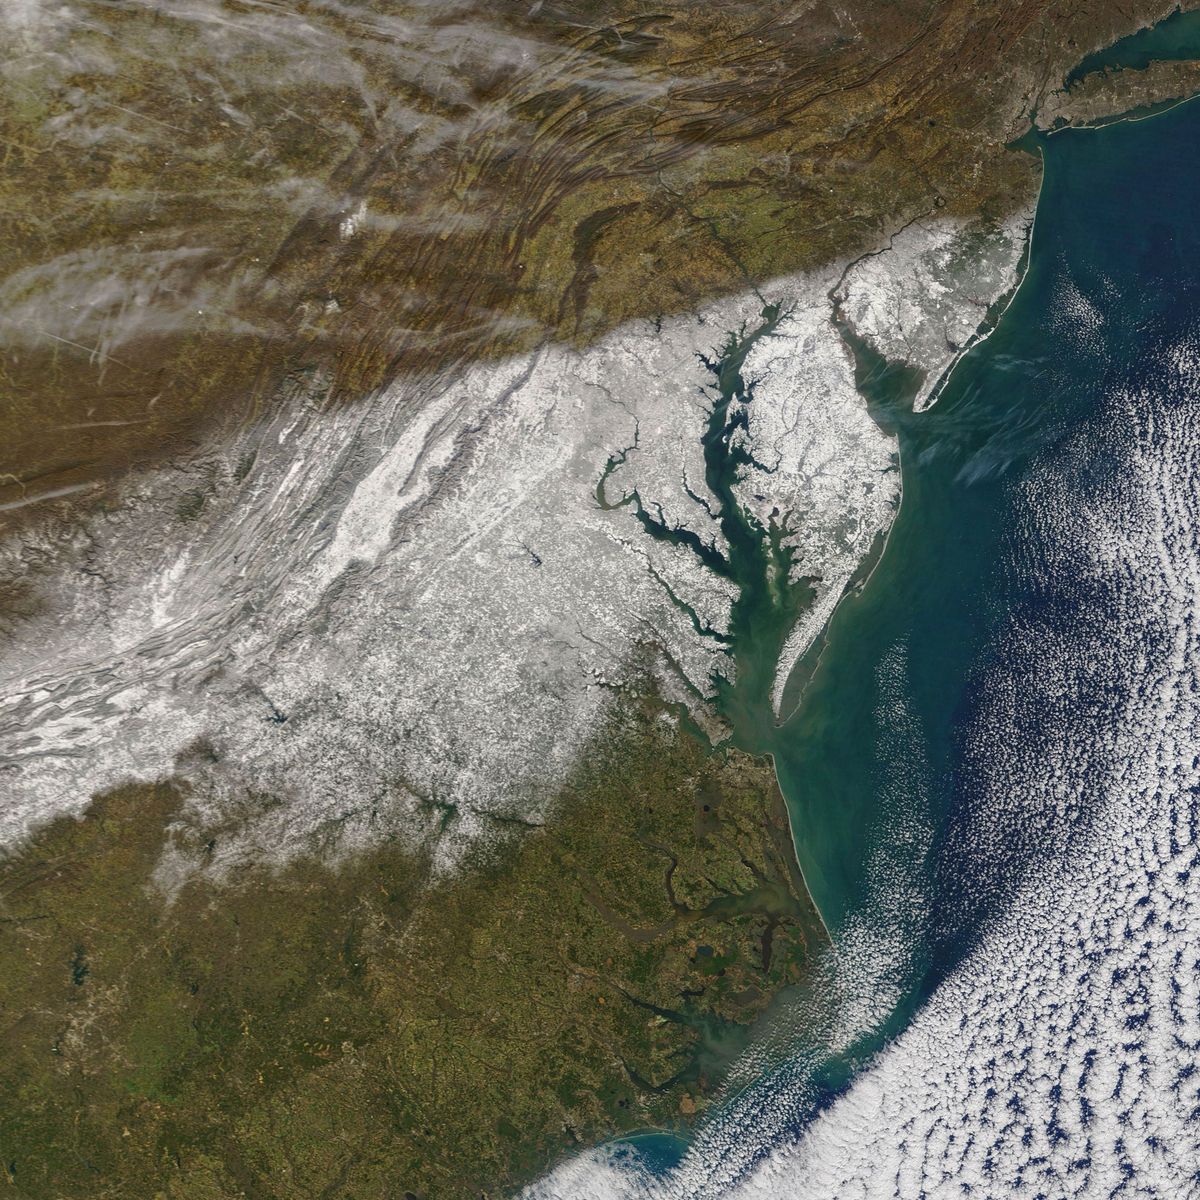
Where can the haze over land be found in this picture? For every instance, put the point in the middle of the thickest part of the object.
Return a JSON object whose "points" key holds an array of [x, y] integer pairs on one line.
{"points": [[386, 387]]}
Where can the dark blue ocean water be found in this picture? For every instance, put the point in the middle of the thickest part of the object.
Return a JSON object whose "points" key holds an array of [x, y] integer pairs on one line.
{"points": [[882, 766], [889, 774], [1175, 39], [878, 741], [909, 852]]}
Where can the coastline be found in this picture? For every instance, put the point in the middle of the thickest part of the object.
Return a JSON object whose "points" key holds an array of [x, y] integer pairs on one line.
{"points": [[364, 543], [707, 201]]}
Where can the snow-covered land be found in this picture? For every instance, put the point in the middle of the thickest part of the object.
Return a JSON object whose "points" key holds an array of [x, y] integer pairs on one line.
{"points": [[407, 617], [924, 300]]}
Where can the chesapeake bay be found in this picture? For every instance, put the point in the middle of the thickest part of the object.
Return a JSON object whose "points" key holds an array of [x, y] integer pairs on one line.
{"points": [[895, 829]]}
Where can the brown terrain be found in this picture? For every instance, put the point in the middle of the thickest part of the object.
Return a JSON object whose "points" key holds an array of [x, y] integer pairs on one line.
{"points": [[214, 205], [207, 199]]}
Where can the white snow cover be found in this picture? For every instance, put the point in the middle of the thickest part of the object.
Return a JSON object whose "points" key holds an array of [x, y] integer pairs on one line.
{"points": [[1061, 1059], [928, 312], [406, 618]]}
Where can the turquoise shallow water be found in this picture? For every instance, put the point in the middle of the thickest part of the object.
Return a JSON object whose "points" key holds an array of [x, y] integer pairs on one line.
{"points": [[875, 747], [903, 848], [892, 827], [908, 850]]}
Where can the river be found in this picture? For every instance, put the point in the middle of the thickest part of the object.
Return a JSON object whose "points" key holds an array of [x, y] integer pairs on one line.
{"points": [[962, 735]]}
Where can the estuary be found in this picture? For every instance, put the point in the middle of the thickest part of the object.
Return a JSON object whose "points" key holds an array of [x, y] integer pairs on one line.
{"points": [[580, 593], [989, 777]]}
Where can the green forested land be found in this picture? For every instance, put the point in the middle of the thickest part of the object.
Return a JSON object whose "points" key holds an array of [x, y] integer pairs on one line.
{"points": [[376, 1030]]}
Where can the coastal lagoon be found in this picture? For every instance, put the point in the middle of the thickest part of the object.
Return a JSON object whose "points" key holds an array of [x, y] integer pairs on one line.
{"points": [[961, 740]]}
